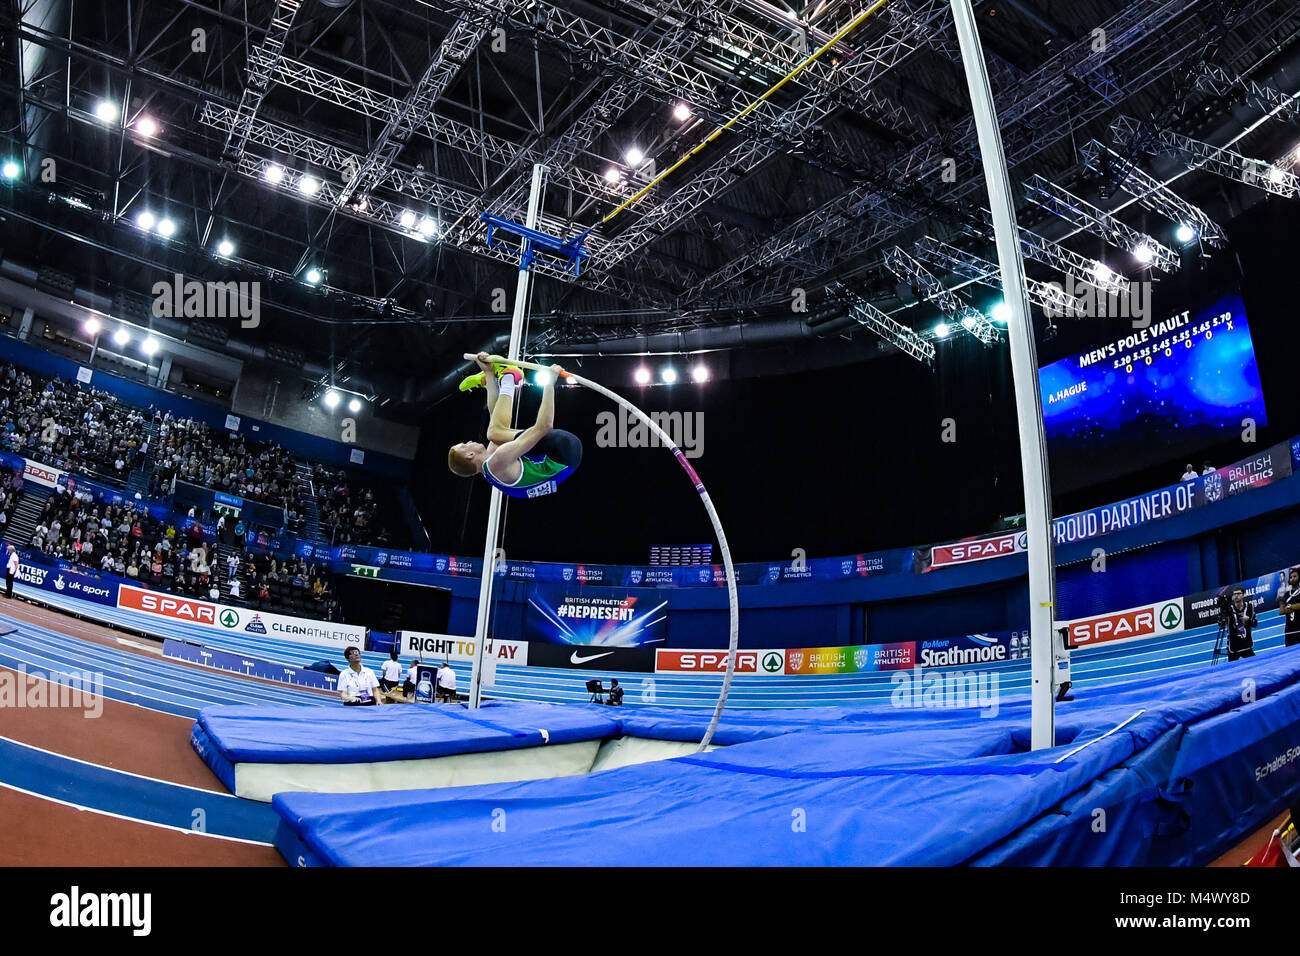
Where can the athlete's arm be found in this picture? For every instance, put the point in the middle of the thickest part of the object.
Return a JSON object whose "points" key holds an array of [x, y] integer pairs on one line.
{"points": [[489, 380]]}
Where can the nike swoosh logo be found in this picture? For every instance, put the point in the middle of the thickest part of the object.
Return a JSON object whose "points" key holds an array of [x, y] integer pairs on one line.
{"points": [[574, 658]]}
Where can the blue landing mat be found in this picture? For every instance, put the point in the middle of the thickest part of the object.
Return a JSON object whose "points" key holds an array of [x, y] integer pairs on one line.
{"points": [[1206, 757]]}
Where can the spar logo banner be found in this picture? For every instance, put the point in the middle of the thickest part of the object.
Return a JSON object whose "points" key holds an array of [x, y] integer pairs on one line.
{"points": [[448, 647], [1137, 623], [972, 549], [41, 474], [604, 617], [300, 630], [853, 659], [170, 606], [769, 663]]}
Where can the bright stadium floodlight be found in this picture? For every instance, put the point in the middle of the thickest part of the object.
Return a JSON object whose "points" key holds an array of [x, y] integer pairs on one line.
{"points": [[106, 111], [1103, 273], [612, 175], [146, 126], [121, 337], [149, 346], [354, 406], [313, 276], [635, 157], [941, 330], [309, 185], [543, 378], [668, 374], [428, 227], [273, 174], [700, 374], [226, 248], [145, 220], [642, 376], [1144, 254], [1001, 313], [407, 219], [331, 399], [166, 228], [681, 112], [10, 170], [1185, 233], [92, 326]]}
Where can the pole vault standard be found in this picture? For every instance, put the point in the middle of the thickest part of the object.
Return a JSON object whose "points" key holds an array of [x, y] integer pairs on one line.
{"points": [[1024, 372], [495, 505], [732, 598]]}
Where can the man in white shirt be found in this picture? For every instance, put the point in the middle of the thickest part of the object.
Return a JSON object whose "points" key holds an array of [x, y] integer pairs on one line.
{"points": [[412, 678], [390, 675], [447, 682], [1189, 474], [11, 568], [234, 587], [357, 684]]}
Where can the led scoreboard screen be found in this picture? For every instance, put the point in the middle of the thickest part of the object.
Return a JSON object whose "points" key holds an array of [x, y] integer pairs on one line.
{"points": [[680, 555], [1181, 383]]}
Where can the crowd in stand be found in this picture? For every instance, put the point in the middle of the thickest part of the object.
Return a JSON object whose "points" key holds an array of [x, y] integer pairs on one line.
{"points": [[68, 426], [347, 513], [11, 486], [125, 539], [194, 452], [293, 581], [84, 430]]}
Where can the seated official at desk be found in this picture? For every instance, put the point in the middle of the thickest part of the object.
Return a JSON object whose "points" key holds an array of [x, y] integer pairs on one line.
{"points": [[357, 684]]}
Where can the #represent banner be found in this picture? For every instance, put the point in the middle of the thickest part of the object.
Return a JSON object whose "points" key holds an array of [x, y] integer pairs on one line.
{"points": [[597, 617]]}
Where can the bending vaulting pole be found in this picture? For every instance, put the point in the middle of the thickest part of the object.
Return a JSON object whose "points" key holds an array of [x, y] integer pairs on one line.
{"points": [[1024, 371], [496, 503], [732, 598]]}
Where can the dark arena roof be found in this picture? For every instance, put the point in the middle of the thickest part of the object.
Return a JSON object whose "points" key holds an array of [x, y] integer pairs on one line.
{"points": [[437, 109]]}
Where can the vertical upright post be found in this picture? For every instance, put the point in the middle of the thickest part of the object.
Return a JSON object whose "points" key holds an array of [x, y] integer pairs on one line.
{"points": [[1024, 370], [494, 507]]}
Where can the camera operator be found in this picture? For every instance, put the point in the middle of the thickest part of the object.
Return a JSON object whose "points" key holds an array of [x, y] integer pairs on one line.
{"points": [[615, 694], [1288, 603], [1239, 618]]}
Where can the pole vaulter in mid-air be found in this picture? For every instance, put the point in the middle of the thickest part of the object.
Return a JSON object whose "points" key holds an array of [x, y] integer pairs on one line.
{"points": [[521, 462]]}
